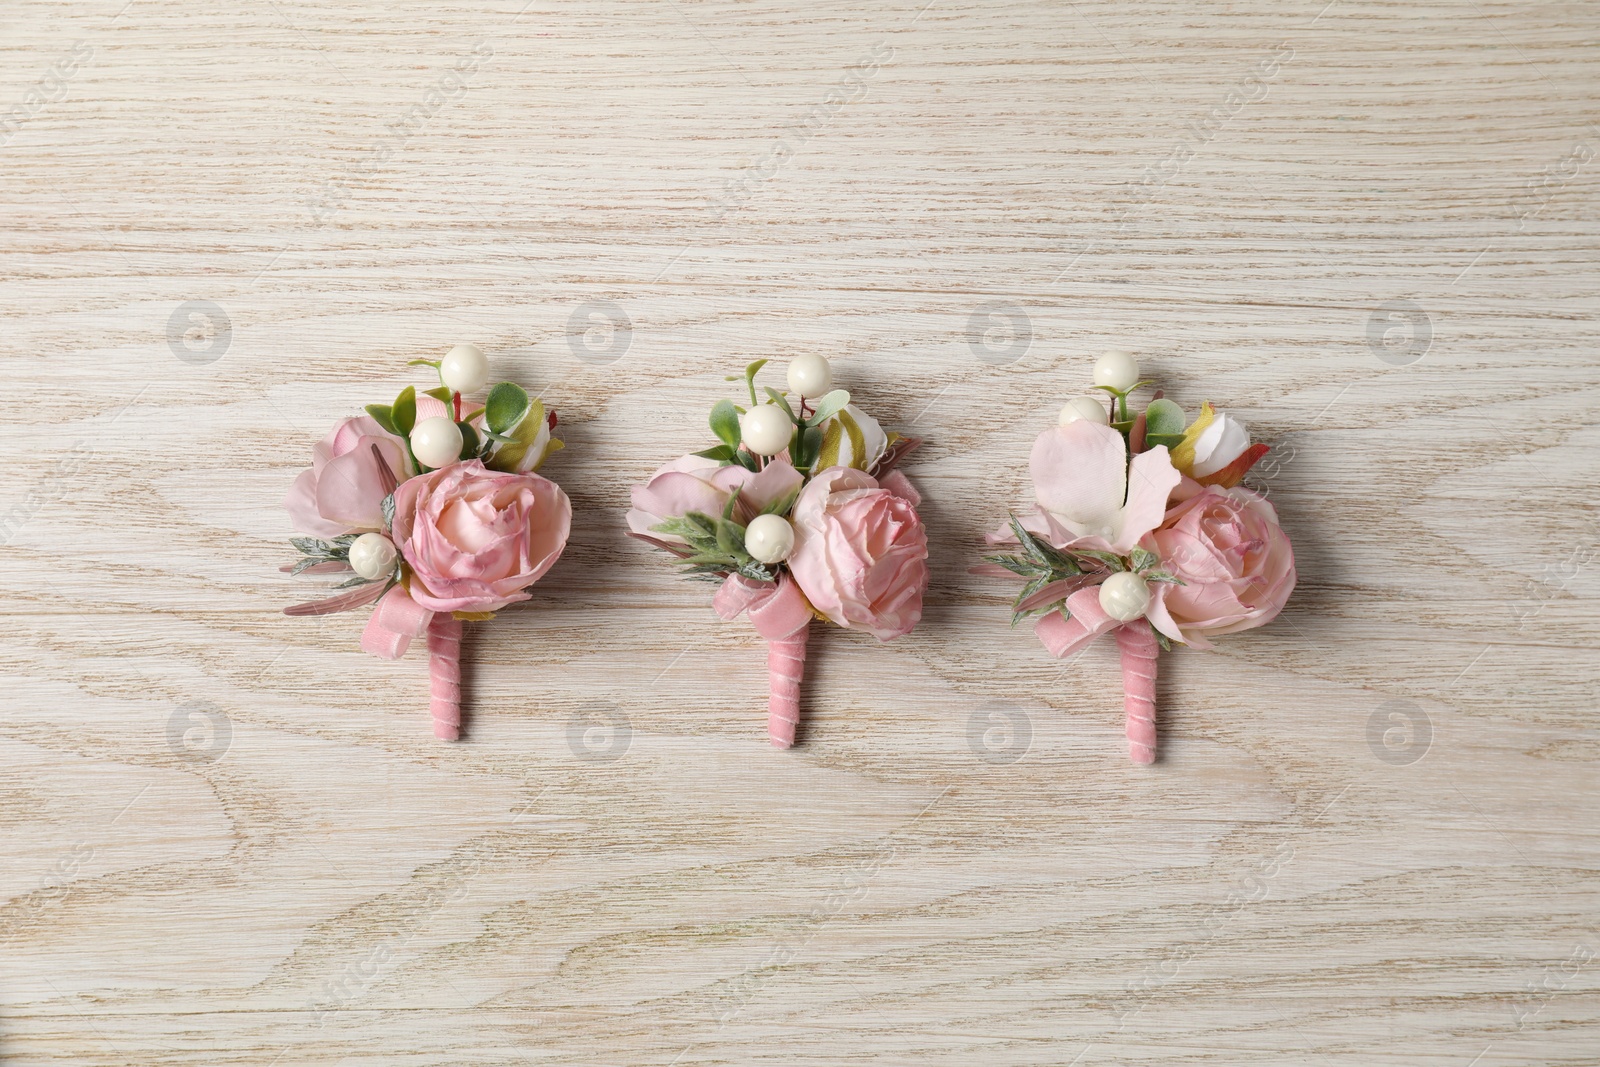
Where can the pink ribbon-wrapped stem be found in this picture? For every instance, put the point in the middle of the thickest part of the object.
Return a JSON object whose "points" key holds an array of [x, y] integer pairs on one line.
{"points": [[1137, 643], [444, 673], [782, 615], [395, 622], [786, 666]]}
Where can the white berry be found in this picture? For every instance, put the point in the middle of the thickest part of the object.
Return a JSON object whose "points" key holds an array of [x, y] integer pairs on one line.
{"points": [[769, 538], [372, 556], [1124, 596], [1117, 370], [810, 375], [436, 442], [465, 369], [1084, 407], [766, 429]]}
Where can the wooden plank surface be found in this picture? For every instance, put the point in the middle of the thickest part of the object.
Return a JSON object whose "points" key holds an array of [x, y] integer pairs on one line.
{"points": [[1368, 228]]}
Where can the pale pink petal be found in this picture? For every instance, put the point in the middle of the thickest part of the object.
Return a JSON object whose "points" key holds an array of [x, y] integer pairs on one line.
{"points": [[301, 504], [1151, 479], [673, 494], [1080, 475], [770, 485]]}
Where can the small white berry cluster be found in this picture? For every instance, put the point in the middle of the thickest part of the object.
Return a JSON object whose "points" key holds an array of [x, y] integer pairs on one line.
{"points": [[1116, 372], [437, 441], [767, 430]]}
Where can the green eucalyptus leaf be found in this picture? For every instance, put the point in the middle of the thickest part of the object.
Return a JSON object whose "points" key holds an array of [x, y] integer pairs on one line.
{"points": [[780, 400], [405, 411], [828, 406], [1171, 440], [1163, 417], [507, 404], [725, 423], [383, 415]]}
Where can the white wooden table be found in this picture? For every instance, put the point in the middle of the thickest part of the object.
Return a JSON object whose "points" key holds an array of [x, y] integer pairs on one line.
{"points": [[1369, 228]]}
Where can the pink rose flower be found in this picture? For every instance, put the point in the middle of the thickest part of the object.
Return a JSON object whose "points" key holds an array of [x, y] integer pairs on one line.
{"points": [[694, 483], [344, 489], [1234, 558], [860, 551], [475, 538]]}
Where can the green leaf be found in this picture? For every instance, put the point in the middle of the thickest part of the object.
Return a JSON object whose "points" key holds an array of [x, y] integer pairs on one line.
{"points": [[350, 583], [312, 546], [404, 412], [1162, 639], [757, 571], [782, 505], [523, 435], [507, 404], [780, 400], [1163, 417], [829, 405], [721, 453], [746, 460], [1110, 559], [383, 415], [750, 372], [1142, 558], [1164, 576], [387, 507], [1171, 440], [725, 423], [733, 502], [1031, 545], [440, 393], [810, 444], [469, 441], [730, 537]]}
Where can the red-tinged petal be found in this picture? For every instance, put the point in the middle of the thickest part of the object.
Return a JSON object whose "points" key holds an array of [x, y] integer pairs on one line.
{"points": [[1234, 473]]}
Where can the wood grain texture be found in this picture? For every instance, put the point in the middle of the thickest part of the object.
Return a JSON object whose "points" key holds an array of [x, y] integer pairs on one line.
{"points": [[229, 837]]}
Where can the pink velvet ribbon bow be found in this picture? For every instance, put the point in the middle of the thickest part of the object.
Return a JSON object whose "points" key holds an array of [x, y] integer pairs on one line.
{"points": [[395, 621], [1137, 643], [781, 614]]}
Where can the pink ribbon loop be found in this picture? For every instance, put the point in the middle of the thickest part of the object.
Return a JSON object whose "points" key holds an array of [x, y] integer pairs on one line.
{"points": [[1064, 636], [394, 622], [1136, 641]]}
